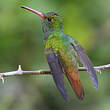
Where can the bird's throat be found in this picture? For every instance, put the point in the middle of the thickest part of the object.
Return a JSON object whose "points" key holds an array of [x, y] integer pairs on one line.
{"points": [[47, 31]]}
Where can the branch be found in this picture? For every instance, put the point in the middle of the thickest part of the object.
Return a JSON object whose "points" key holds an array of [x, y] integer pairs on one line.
{"points": [[39, 72]]}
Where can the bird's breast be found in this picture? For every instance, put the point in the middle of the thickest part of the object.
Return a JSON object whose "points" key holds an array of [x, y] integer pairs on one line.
{"points": [[64, 50]]}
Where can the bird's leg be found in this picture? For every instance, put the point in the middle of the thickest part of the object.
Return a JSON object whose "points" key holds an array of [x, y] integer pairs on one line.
{"points": [[2, 78], [99, 71]]}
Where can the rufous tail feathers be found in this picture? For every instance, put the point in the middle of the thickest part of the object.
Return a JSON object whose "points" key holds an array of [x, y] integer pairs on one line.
{"points": [[74, 80]]}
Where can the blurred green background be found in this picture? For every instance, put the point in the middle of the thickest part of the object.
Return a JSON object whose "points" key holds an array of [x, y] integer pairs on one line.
{"points": [[21, 42]]}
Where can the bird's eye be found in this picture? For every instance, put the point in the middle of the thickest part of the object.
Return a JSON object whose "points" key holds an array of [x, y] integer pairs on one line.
{"points": [[50, 19]]}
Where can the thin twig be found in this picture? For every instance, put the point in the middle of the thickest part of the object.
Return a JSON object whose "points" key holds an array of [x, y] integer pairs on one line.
{"points": [[44, 72]]}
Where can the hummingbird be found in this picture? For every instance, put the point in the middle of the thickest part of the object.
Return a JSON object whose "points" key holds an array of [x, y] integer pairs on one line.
{"points": [[62, 53]]}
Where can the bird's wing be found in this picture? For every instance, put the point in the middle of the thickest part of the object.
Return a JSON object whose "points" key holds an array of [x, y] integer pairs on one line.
{"points": [[57, 72], [84, 59]]}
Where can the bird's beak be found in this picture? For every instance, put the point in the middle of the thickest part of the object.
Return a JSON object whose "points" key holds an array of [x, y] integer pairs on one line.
{"points": [[34, 11]]}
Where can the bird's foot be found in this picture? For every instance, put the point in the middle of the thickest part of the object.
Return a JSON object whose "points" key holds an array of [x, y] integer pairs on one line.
{"points": [[99, 71], [2, 78]]}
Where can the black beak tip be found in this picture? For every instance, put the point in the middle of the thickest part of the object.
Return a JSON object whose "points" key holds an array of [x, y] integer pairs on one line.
{"points": [[23, 7]]}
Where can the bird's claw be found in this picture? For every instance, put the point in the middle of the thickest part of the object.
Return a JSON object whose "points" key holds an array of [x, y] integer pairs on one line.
{"points": [[99, 71], [1, 77]]}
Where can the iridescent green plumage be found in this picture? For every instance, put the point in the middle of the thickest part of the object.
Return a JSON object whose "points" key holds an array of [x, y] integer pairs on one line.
{"points": [[59, 43], [61, 51]]}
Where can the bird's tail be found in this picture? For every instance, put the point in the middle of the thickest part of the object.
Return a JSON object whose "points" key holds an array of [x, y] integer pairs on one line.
{"points": [[74, 80]]}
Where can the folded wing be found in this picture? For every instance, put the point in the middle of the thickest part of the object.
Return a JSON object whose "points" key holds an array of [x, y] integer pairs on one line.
{"points": [[84, 59], [57, 73]]}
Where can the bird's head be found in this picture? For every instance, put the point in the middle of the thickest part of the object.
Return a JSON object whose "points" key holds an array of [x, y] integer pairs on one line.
{"points": [[51, 21]]}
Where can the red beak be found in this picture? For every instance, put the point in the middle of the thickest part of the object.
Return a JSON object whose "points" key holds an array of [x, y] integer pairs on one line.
{"points": [[34, 11]]}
